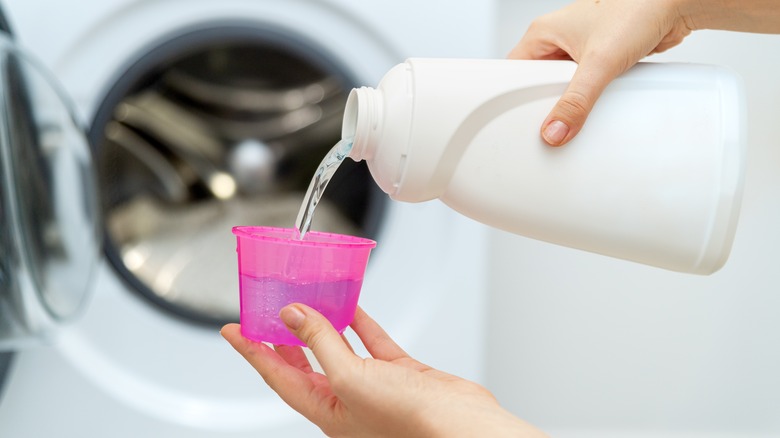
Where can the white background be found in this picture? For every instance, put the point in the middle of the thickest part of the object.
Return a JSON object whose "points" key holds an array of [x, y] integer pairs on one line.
{"points": [[579, 342]]}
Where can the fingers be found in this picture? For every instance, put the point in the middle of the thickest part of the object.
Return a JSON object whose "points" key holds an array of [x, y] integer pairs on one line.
{"points": [[377, 342], [292, 384], [319, 335], [346, 342], [572, 109], [569, 114], [294, 356], [529, 48]]}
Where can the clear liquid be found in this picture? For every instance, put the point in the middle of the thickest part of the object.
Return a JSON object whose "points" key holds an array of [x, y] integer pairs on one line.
{"points": [[263, 297], [322, 176]]}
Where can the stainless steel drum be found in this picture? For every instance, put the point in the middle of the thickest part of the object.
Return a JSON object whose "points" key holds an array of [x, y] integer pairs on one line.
{"points": [[215, 128]]}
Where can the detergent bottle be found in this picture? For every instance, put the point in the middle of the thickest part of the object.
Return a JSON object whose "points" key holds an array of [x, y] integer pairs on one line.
{"points": [[655, 176]]}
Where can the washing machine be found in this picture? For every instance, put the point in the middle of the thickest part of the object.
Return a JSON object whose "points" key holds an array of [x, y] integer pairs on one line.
{"points": [[179, 119]]}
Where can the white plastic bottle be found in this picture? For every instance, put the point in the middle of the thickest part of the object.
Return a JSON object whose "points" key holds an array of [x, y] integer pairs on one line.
{"points": [[655, 176]]}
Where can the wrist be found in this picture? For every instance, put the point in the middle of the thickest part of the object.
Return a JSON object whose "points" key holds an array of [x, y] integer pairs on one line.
{"points": [[736, 15], [696, 14]]}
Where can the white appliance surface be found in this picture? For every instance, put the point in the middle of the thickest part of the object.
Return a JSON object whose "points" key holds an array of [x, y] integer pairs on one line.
{"points": [[128, 369], [586, 346]]}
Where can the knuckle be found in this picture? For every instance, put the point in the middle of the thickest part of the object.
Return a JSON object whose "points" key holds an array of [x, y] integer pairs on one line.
{"points": [[574, 104], [536, 25], [312, 335]]}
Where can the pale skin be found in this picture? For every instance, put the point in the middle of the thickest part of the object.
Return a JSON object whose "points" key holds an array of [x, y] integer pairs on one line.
{"points": [[392, 395], [386, 395], [607, 37]]}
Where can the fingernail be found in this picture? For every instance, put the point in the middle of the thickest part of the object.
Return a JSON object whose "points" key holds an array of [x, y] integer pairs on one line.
{"points": [[292, 317], [555, 132]]}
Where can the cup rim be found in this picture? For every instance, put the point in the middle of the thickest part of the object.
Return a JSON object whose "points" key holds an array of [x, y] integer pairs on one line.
{"points": [[312, 238]]}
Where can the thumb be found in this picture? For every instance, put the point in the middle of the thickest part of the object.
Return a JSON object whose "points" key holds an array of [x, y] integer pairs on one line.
{"points": [[569, 114], [319, 335]]}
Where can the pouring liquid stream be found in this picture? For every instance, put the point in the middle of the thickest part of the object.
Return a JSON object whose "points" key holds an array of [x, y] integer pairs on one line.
{"points": [[322, 176]]}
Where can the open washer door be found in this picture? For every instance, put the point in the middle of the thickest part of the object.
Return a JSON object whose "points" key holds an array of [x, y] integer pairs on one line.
{"points": [[49, 234], [150, 358]]}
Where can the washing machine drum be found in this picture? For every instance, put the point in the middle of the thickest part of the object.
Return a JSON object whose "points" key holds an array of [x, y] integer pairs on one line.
{"points": [[210, 129], [49, 233]]}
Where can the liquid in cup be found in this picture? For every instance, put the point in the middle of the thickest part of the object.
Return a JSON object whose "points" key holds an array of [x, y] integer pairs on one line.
{"points": [[324, 271]]}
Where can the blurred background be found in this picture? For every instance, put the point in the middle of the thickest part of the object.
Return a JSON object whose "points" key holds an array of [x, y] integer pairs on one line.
{"points": [[182, 118], [118, 266], [584, 345]]}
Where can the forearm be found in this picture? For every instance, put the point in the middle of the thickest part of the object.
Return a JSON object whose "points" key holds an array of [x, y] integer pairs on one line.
{"points": [[759, 16], [476, 421]]}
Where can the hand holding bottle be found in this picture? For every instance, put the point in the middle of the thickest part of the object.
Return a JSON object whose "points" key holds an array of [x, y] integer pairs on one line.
{"points": [[607, 37]]}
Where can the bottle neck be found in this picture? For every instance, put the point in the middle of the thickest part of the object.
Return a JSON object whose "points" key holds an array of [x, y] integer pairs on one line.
{"points": [[361, 120]]}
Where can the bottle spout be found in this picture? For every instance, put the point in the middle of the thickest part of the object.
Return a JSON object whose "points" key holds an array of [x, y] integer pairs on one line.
{"points": [[361, 117]]}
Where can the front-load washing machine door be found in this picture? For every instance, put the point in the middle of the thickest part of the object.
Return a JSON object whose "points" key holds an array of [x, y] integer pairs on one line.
{"points": [[49, 236], [210, 126]]}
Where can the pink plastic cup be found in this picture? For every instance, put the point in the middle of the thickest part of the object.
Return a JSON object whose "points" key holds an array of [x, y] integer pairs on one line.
{"points": [[275, 268]]}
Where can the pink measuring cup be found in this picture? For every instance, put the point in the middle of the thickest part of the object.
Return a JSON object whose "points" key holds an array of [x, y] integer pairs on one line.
{"points": [[275, 268]]}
